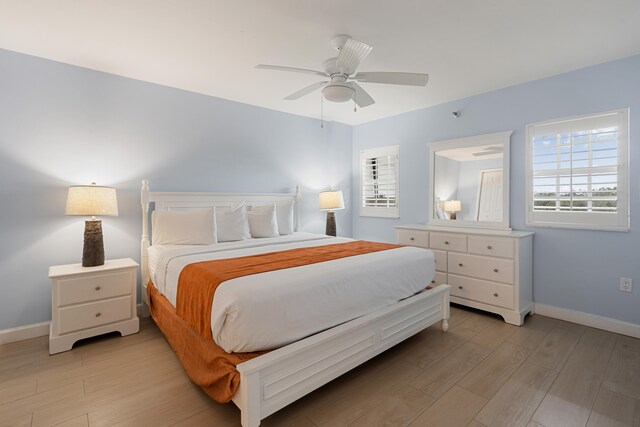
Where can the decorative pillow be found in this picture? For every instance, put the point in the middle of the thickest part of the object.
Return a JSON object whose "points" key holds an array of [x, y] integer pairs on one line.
{"points": [[193, 227], [232, 224], [284, 215], [263, 222]]}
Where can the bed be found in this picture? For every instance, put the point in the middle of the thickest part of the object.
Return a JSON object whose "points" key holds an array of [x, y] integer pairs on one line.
{"points": [[304, 359]]}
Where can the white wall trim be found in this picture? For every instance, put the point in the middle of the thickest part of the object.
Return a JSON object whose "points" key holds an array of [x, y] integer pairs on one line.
{"points": [[22, 333], [588, 319], [27, 332]]}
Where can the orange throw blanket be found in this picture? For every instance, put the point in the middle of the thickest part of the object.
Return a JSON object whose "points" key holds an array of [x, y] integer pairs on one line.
{"points": [[198, 281]]}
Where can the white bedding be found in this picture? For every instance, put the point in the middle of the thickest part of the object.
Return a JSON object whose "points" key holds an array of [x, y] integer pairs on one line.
{"points": [[273, 309]]}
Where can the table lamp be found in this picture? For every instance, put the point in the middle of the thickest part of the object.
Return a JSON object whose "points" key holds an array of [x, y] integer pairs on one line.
{"points": [[452, 206], [331, 201], [92, 200]]}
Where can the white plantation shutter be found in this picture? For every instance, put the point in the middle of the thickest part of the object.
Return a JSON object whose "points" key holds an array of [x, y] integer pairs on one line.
{"points": [[577, 174], [379, 182]]}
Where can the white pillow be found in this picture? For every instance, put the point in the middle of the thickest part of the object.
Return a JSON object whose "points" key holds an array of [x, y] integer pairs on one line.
{"points": [[194, 227], [284, 215], [263, 222], [232, 224]]}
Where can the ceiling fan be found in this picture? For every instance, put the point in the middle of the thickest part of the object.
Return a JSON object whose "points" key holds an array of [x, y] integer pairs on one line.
{"points": [[341, 71]]}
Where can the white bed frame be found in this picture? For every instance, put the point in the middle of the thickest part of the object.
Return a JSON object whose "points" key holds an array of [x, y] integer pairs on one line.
{"points": [[280, 377]]}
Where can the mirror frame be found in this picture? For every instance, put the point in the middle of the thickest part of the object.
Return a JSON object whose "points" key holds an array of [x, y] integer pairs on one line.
{"points": [[471, 141]]}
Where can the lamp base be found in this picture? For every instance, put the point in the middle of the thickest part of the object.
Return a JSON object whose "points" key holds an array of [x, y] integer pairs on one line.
{"points": [[331, 224], [93, 249], [452, 215]]}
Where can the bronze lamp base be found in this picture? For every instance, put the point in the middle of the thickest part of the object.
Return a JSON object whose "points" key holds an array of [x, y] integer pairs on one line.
{"points": [[331, 224], [93, 249]]}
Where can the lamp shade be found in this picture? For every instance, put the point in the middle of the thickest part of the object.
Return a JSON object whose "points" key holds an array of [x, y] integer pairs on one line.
{"points": [[331, 200], [91, 200], [452, 206]]}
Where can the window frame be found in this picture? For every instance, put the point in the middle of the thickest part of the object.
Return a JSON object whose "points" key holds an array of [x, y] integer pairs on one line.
{"points": [[589, 220], [379, 212]]}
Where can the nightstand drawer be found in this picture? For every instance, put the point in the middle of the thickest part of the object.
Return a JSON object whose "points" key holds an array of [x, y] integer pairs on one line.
{"points": [[441, 260], [87, 288], [83, 316], [481, 291], [413, 238], [495, 269], [492, 246], [449, 242]]}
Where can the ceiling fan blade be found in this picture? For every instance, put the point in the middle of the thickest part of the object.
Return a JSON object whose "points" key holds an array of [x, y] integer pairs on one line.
{"points": [[305, 91], [293, 69], [362, 98], [351, 55], [409, 79]]}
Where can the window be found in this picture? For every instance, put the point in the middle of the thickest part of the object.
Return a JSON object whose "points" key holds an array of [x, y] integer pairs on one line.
{"points": [[379, 182], [577, 172]]}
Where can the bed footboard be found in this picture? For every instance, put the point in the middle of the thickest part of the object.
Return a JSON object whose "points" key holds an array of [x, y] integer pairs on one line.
{"points": [[276, 379]]}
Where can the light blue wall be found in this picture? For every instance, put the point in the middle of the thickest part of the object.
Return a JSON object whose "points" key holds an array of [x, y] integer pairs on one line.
{"points": [[62, 125], [574, 269]]}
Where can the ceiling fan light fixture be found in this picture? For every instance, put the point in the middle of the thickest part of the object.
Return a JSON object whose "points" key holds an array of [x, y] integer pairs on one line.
{"points": [[338, 93]]}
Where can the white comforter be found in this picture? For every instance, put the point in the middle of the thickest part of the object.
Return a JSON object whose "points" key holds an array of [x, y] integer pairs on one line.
{"points": [[270, 310]]}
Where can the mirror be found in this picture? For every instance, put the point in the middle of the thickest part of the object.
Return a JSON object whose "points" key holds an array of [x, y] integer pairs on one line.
{"points": [[470, 181]]}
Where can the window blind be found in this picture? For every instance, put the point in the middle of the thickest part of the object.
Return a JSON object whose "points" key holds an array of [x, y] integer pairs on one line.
{"points": [[579, 166], [379, 181]]}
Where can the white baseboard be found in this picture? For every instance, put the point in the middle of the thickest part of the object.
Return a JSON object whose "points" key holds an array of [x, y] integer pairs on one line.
{"points": [[24, 332], [27, 332], [588, 319]]}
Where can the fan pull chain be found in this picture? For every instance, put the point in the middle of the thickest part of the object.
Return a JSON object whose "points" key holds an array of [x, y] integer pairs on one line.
{"points": [[355, 102], [321, 110]]}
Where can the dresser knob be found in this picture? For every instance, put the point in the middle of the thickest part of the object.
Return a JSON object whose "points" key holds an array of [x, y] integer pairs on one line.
{"points": [[98, 314], [489, 247], [446, 242], [459, 287], [460, 264], [495, 270], [495, 295], [98, 288], [412, 238]]}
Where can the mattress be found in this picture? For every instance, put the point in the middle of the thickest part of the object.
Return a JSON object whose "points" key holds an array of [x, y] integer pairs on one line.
{"points": [[273, 309]]}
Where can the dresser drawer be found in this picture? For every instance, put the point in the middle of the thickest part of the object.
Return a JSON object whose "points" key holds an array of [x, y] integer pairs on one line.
{"points": [[413, 238], [441, 260], [87, 288], [494, 269], [449, 242], [84, 316], [492, 246], [439, 279], [481, 291]]}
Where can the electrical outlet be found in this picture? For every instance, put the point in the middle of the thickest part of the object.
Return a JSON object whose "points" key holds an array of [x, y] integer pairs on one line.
{"points": [[626, 284]]}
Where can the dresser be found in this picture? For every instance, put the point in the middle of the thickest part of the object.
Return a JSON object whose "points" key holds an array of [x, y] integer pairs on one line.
{"points": [[489, 270], [90, 301]]}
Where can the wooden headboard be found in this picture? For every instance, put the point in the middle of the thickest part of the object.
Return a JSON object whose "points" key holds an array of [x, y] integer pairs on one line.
{"points": [[187, 200]]}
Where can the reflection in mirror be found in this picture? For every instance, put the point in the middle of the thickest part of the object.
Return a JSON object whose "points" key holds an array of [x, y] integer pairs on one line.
{"points": [[468, 183]]}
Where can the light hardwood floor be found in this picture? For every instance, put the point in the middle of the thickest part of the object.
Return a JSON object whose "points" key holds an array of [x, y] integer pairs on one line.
{"points": [[482, 372]]}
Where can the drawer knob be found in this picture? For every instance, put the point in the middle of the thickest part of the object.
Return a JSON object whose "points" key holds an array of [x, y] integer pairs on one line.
{"points": [[446, 242], [98, 288], [495, 270], [98, 314], [495, 295], [459, 287], [460, 264], [489, 247], [412, 238]]}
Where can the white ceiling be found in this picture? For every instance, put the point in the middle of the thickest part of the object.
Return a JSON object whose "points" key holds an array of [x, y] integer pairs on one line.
{"points": [[211, 46]]}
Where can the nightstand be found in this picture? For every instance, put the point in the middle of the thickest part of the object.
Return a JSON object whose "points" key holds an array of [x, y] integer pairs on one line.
{"points": [[90, 301]]}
